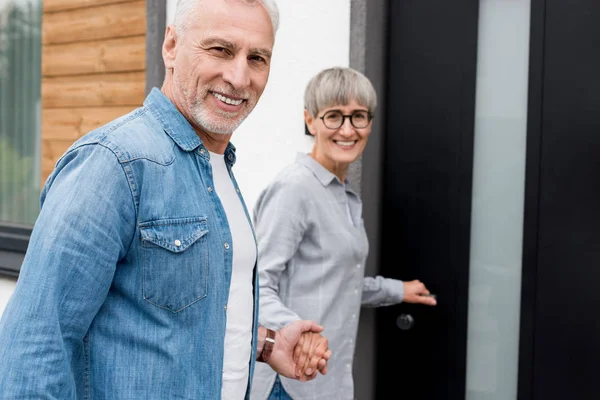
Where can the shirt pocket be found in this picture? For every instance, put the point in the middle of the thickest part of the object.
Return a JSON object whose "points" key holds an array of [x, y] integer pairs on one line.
{"points": [[175, 262]]}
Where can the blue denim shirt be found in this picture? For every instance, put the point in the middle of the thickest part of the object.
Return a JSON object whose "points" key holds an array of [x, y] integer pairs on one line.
{"points": [[124, 287]]}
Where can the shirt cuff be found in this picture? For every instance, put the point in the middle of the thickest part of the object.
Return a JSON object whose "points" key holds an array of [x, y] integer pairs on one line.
{"points": [[395, 289]]}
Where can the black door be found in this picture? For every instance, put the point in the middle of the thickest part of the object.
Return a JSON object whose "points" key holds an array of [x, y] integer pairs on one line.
{"points": [[560, 341], [426, 205], [427, 200]]}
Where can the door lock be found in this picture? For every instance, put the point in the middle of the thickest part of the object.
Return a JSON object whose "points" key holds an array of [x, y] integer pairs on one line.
{"points": [[405, 321]]}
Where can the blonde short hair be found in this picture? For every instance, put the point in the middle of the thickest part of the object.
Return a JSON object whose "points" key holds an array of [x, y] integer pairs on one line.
{"points": [[339, 86]]}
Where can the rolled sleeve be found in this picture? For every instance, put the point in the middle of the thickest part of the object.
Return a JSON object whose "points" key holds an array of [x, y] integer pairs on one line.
{"points": [[380, 291]]}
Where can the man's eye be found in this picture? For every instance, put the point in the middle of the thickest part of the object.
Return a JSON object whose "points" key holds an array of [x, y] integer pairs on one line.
{"points": [[219, 49], [258, 59]]}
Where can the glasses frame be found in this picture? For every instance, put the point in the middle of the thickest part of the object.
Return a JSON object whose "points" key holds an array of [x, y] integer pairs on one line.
{"points": [[349, 116]]}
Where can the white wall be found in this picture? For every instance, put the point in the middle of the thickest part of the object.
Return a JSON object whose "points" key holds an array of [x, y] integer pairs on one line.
{"points": [[7, 286], [313, 34]]}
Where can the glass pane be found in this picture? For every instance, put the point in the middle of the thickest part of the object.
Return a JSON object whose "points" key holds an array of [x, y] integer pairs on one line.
{"points": [[20, 76], [498, 194]]}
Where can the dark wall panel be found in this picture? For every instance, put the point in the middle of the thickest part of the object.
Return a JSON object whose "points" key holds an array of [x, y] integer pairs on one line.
{"points": [[567, 335]]}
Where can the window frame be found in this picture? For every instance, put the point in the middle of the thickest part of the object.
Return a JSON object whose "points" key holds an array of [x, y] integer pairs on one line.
{"points": [[14, 239]]}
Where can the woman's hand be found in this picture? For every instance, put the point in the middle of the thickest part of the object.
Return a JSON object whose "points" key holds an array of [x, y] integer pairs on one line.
{"points": [[312, 349], [283, 359]]}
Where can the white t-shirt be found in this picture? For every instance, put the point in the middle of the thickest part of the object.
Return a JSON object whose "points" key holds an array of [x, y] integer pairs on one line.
{"points": [[238, 333]]}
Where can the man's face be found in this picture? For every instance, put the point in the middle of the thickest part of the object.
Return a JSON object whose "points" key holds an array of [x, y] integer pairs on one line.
{"points": [[221, 64]]}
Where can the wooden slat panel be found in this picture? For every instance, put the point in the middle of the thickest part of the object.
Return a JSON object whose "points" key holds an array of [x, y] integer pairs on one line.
{"points": [[124, 89], [110, 21], [69, 124], [60, 5], [116, 55], [51, 152], [46, 169]]}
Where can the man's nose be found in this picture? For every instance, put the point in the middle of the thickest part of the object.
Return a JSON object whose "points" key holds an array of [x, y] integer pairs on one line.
{"points": [[237, 73]]}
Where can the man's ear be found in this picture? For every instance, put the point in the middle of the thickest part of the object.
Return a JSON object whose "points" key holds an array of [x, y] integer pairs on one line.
{"points": [[169, 47], [310, 122]]}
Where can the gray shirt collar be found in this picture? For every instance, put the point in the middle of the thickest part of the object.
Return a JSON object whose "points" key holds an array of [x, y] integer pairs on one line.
{"points": [[323, 174]]}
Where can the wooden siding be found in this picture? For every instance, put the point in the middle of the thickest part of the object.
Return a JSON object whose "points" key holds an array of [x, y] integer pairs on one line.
{"points": [[93, 68]]}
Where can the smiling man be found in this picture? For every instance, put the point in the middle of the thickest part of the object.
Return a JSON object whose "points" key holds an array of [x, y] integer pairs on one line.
{"points": [[139, 281]]}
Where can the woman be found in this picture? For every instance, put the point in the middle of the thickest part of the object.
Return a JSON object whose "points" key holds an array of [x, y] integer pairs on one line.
{"points": [[312, 242]]}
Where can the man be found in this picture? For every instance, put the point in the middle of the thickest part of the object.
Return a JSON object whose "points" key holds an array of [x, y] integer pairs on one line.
{"points": [[139, 281]]}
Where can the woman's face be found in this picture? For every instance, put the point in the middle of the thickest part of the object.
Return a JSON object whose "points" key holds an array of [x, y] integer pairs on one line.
{"points": [[335, 147]]}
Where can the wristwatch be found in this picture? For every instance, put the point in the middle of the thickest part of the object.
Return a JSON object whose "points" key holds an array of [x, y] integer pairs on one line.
{"points": [[268, 346]]}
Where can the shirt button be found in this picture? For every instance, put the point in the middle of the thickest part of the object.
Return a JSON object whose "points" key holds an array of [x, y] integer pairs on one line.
{"points": [[353, 316], [225, 306], [226, 246], [210, 189], [237, 190], [356, 291], [357, 265], [177, 242], [202, 151], [230, 157]]}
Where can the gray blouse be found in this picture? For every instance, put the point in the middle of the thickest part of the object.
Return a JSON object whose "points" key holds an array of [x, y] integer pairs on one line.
{"points": [[312, 248]]}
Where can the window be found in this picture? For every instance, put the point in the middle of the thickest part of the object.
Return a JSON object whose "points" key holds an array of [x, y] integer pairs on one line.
{"points": [[20, 98]]}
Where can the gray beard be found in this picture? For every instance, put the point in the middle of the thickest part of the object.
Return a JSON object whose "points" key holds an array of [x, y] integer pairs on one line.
{"points": [[220, 128]]}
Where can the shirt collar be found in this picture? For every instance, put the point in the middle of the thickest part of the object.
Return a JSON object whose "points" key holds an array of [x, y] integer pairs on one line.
{"points": [[177, 126], [321, 173]]}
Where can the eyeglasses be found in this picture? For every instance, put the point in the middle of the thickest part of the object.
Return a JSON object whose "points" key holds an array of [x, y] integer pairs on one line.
{"points": [[359, 119]]}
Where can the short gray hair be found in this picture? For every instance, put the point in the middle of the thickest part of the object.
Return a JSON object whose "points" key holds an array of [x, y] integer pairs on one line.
{"points": [[187, 9], [339, 86]]}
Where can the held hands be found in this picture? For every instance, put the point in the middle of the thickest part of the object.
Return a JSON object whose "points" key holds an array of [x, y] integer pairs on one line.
{"points": [[416, 292], [312, 349], [285, 359]]}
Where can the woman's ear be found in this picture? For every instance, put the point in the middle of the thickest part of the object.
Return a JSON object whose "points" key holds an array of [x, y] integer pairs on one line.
{"points": [[310, 122]]}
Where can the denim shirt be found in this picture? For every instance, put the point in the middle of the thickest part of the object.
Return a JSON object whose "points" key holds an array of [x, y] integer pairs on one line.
{"points": [[123, 291]]}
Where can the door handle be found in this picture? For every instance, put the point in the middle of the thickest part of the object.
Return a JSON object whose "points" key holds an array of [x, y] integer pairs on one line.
{"points": [[405, 321]]}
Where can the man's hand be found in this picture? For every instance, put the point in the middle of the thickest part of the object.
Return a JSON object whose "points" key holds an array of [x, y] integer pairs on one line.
{"points": [[282, 357], [311, 350], [416, 292]]}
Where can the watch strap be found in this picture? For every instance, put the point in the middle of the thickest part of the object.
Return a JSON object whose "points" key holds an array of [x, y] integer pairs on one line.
{"points": [[268, 346]]}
